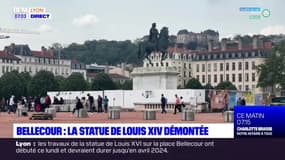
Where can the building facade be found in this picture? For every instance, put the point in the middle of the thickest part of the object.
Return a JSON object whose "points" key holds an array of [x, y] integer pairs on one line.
{"points": [[22, 59], [236, 64]]}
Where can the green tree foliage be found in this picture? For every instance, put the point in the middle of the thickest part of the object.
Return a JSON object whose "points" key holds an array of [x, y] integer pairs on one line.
{"points": [[103, 52], [42, 82], [272, 72], [12, 84], [25, 78], [103, 81], [126, 85], [75, 82], [226, 85], [193, 83], [208, 86], [60, 83]]}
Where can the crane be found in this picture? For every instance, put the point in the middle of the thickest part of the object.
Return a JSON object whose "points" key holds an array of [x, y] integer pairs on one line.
{"points": [[18, 31]]}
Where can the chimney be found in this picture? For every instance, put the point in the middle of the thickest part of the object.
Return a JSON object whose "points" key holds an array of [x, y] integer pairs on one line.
{"points": [[123, 67], [240, 45], [255, 42], [224, 44], [210, 45]]}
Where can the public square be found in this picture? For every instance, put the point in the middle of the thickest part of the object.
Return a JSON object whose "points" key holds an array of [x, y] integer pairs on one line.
{"points": [[7, 121]]}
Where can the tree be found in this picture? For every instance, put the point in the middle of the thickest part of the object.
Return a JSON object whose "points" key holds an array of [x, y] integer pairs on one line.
{"points": [[12, 84], [75, 82], [60, 83], [126, 85], [25, 78], [103, 81], [272, 72], [42, 82], [193, 83], [208, 86], [226, 85]]}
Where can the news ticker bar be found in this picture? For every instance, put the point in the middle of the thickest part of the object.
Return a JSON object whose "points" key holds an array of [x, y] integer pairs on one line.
{"points": [[88, 130]]}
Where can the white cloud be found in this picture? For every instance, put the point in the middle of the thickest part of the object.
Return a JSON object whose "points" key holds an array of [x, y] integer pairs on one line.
{"points": [[88, 20], [44, 28], [277, 29]]}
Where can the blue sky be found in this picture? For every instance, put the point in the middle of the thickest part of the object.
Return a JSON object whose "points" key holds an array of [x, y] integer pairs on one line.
{"points": [[80, 20]]}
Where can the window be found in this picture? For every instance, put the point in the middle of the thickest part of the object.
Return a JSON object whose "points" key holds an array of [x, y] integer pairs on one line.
{"points": [[198, 77], [189, 74], [147, 65], [239, 66], [246, 77], [197, 68], [25, 69], [215, 78], [161, 64], [253, 77], [227, 66], [233, 77], [246, 87], [203, 67], [221, 78], [233, 66], [246, 65], [239, 77], [30, 69], [203, 78], [239, 87], [156, 64], [215, 67], [166, 64], [184, 73], [221, 66], [209, 67], [189, 66], [3, 69], [227, 77], [209, 79], [184, 65], [253, 65]]}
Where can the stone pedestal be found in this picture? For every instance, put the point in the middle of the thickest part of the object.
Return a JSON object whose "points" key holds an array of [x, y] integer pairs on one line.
{"points": [[21, 111], [81, 113], [52, 111], [114, 114], [188, 115], [229, 116], [149, 115], [154, 78]]}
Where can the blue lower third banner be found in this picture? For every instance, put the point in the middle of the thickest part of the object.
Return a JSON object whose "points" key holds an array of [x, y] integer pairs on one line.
{"points": [[259, 121], [87, 130]]}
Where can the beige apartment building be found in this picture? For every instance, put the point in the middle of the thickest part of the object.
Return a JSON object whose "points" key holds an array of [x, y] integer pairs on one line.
{"points": [[237, 64]]}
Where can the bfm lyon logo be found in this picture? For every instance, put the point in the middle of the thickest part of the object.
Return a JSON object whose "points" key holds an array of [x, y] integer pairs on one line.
{"points": [[255, 12], [265, 13]]}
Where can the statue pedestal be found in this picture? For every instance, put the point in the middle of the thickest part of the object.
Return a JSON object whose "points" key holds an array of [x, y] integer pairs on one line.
{"points": [[154, 78]]}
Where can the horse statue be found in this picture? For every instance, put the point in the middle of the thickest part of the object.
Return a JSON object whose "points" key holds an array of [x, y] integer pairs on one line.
{"points": [[157, 42]]}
